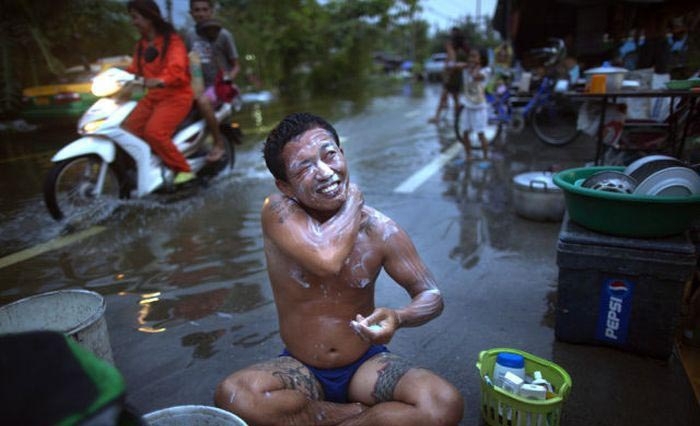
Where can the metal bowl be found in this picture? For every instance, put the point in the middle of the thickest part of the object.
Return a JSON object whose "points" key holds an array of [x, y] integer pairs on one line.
{"points": [[611, 181]]}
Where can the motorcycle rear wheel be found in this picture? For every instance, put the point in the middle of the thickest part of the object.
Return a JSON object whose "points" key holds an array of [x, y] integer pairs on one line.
{"points": [[233, 137], [69, 188], [225, 165]]}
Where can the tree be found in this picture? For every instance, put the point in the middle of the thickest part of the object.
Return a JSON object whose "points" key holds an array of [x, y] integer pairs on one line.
{"points": [[301, 43], [39, 38]]}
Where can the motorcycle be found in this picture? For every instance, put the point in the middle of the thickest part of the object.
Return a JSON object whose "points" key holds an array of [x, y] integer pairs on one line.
{"points": [[108, 163]]}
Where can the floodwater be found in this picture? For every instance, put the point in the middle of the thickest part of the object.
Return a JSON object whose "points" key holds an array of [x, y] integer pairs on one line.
{"points": [[191, 254], [184, 276]]}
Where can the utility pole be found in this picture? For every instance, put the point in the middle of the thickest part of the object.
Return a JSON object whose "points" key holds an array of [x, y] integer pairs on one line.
{"points": [[478, 14], [169, 10]]}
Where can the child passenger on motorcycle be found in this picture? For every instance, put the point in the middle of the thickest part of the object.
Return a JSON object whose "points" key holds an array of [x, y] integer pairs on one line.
{"points": [[219, 59], [161, 59]]}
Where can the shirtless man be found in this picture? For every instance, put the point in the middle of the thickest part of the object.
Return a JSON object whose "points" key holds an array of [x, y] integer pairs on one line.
{"points": [[324, 251]]}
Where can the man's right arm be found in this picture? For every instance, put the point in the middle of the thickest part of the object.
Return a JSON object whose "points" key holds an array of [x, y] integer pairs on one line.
{"points": [[320, 248]]}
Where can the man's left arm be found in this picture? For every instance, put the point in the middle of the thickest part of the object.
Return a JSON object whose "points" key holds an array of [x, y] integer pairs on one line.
{"points": [[404, 265]]}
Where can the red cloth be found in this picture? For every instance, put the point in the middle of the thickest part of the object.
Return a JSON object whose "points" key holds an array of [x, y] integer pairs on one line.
{"points": [[159, 113], [225, 91]]}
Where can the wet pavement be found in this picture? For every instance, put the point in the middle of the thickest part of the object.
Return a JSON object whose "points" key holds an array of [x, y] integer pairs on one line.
{"points": [[186, 288]]}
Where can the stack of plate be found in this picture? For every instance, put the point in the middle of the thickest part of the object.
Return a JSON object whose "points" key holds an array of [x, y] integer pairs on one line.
{"points": [[656, 175], [662, 175]]}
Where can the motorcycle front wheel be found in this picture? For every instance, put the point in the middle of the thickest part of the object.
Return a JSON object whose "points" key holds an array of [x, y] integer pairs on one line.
{"points": [[493, 129], [70, 188]]}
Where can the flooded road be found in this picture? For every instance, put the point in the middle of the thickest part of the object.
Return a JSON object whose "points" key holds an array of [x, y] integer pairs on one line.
{"points": [[184, 275]]}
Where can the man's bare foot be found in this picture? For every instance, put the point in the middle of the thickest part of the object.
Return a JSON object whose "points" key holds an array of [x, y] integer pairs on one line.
{"points": [[433, 120], [215, 154]]}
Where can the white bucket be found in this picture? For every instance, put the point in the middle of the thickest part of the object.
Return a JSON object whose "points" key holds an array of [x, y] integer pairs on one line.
{"points": [[192, 415], [76, 313]]}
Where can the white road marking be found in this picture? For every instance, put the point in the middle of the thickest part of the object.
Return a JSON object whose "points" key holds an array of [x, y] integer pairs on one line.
{"points": [[48, 246], [418, 178]]}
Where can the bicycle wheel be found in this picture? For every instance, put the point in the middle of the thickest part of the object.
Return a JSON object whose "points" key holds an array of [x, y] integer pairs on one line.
{"points": [[492, 132], [555, 120]]}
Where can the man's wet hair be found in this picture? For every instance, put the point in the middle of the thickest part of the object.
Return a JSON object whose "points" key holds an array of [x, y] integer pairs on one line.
{"points": [[288, 129]]}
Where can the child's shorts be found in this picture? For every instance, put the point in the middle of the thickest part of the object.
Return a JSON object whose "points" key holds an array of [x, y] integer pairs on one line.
{"points": [[476, 119]]}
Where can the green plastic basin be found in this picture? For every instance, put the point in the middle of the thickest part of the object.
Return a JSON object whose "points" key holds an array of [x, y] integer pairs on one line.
{"points": [[625, 214]]}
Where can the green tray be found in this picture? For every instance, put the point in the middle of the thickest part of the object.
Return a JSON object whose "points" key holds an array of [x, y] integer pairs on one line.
{"points": [[680, 84], [625, 214]]}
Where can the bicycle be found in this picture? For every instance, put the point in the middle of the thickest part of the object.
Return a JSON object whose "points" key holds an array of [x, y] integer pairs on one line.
{"points": [[553, 116]]}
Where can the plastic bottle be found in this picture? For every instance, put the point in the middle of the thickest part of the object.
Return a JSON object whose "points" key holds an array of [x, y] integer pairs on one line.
{"points": [[539, 380], [505, 362], [196, 73], [508, 362]]}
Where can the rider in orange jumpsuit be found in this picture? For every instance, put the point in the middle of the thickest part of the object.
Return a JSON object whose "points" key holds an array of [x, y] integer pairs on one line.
{"points": [[161, 58]]}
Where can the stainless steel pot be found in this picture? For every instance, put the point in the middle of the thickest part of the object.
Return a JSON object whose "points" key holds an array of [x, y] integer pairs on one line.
{"points": [[613, 76], [536, 197]]}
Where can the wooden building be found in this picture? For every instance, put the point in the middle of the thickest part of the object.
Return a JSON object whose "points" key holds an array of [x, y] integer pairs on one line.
{"points": [[592, 29]]}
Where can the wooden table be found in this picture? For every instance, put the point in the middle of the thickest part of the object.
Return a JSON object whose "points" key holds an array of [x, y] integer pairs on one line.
{"points": [[611, 97]]}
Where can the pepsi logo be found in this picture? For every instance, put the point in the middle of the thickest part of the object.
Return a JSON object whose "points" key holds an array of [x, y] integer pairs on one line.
{"points": [[618, 286]]}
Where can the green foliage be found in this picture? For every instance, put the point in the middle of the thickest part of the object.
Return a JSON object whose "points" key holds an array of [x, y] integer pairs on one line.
{"points": [[299, 44], [474, 33], [291, 45]]}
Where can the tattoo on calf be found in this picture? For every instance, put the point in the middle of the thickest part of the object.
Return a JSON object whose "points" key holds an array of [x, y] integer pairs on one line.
{"points": [[388, 376], [299, 378]]}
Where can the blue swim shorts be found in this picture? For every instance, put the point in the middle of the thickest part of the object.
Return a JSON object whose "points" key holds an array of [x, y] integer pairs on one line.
{"points": [[335, 381]]}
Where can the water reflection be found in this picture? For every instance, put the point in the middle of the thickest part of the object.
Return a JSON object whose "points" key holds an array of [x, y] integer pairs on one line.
{"points": [[254, 339], [159, 310], [481, 193], [195, 255], [203, 342]]}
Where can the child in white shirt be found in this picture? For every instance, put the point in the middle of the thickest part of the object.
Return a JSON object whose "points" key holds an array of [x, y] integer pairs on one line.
{"points": [[476, 107]]}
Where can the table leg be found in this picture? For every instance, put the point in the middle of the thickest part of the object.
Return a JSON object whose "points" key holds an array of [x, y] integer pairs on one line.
{"points": [[601, 126], [688, 119], [673, 123]]}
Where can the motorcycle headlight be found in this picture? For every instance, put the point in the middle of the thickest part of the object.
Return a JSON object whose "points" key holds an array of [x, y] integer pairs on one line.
{"points": [[92, 126], [104, 85]]}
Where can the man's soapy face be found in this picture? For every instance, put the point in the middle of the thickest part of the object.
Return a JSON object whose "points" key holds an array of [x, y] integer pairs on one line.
{"points": [[317, 175]]}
